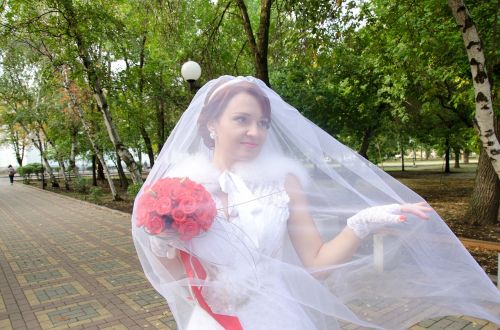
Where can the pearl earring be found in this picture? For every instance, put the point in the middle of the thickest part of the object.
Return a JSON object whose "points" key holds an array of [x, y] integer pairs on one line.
{"points": [[212, 135]]}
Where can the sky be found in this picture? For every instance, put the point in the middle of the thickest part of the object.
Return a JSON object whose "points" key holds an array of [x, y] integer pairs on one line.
{"points": [[8, 157]]}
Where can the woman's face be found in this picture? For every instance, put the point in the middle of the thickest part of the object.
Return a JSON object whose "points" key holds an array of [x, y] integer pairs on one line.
{"points": [[240, 131]]}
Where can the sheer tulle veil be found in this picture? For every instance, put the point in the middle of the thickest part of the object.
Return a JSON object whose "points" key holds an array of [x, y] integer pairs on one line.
{"points": [[403, 274]]}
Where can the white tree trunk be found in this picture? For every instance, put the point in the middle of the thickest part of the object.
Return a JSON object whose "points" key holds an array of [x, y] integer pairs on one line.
{"points": [[46, 166], [485, 117], [48, 169], [102, 104], [62, 167], [84, 53], [37, 142], [76, 107], [72, 157]]}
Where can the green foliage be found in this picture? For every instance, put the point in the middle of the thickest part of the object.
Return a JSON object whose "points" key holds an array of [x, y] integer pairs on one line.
{"points": [[27, 170], [389, 71], [82, 185], [133, 189], [96, 194]]}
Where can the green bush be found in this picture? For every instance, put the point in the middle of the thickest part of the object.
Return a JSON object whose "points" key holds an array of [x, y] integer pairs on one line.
{"points": [[36, 168], [95, 194], [81, 185], [27, 170], [133, 189], [22, 171]]}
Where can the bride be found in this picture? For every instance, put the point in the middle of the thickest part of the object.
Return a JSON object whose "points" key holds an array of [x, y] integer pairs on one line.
{"points": [[307, 235]]}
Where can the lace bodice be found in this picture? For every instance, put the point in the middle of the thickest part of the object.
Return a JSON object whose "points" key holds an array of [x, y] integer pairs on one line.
{"points": [[258, 230], [257, 207], [240, 250], [265, 223]]}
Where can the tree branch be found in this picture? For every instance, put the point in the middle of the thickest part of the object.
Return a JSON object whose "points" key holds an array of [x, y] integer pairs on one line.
{"points": [[238, 57], [263, 33], [248, 26]]}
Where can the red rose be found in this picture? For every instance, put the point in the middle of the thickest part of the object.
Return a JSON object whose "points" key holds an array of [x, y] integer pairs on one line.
{"points": [[205, 222], [200, 211], [191, 185], [187, 204], [178, 191], [155, 225], [163, 188], [178, 215], [143, 208], [187, 183], [154, 205], [205, 214], [150, 193], [145, 200], [164, 206], [188, 229], [141, 216], [199, 193]]}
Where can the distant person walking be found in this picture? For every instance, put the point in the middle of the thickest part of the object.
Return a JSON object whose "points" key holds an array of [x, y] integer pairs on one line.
{"points": [[12, 171]]}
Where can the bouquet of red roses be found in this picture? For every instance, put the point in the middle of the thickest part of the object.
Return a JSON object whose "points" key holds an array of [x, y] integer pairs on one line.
{"points": [[177, 204]]}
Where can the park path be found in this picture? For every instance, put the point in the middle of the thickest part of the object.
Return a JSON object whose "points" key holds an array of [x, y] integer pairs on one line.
{"points": [[70, 264]]}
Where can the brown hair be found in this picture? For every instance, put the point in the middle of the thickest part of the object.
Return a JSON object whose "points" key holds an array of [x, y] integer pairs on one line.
{"points": [[216, 103]]}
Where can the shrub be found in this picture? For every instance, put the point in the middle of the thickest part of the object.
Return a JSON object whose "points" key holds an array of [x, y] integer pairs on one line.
{"points": [[82, 185], [133, 189], [95, 194], [22, 171], [27, 170], [36, 168]]}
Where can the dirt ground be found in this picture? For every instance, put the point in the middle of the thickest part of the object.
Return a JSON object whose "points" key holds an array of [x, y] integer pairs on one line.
{"points": [[449, 196], [447, 193]]}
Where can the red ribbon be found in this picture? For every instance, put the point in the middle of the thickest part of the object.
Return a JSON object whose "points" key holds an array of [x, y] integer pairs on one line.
{"points": [[228, 322]]}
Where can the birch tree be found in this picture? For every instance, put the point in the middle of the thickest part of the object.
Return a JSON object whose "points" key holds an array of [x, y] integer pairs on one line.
{"points": [[74, 31], [75, 106], [484, 117]]}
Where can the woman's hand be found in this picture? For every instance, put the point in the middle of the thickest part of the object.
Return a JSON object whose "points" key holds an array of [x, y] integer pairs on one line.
{"points": [[417, 209], [368, 220], [162, 246]]}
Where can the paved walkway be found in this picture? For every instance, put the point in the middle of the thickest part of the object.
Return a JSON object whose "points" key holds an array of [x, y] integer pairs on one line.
{"points": [[70, 264]]}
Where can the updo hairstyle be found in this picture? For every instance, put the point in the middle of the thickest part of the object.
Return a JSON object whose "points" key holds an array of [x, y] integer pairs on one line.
{"points": [[218, 99]]}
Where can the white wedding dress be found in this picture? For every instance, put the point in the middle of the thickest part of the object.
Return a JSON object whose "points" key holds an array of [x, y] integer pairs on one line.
{"points": [[245, 275], [240, 251], [244, 243]]}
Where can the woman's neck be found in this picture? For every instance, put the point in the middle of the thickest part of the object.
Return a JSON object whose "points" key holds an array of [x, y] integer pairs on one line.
{"points": [[222, 163]]}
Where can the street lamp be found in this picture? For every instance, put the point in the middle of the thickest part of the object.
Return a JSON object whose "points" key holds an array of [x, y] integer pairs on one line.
{"points": [[191, 71]]}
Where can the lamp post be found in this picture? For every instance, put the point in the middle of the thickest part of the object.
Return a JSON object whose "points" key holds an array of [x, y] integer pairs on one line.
{"points": [[191, 71]]}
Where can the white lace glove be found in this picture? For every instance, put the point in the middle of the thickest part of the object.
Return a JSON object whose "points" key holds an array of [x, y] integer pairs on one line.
{"points": [[366, 221]]}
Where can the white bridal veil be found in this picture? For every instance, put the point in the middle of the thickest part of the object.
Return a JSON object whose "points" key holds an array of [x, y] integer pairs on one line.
{"points": [[402, 274]]}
